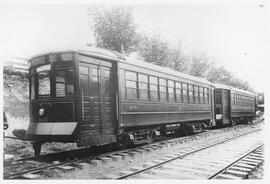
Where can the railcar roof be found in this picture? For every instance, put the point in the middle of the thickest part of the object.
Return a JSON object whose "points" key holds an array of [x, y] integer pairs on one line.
{"points": [[94, 51], [223, 86], [113, 55], [165, 70]]}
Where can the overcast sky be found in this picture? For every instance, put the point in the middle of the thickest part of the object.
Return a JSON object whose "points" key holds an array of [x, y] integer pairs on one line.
{"points": [[237, 36]]}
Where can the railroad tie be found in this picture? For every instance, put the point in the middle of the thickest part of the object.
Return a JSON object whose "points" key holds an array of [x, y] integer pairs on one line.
{"points": [[125, 172], [116, 157], [148, 164], [236, 172], [244, 165], [255, 158], [123, 155], [239, 168], [252, 160], [228, 176], [105, 159], [29, 176], [110, 176], [66, 168], [135, 169], [95, 162]]}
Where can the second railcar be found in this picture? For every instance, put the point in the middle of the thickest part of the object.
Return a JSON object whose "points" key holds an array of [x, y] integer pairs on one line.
{"points": [[233, 105]]}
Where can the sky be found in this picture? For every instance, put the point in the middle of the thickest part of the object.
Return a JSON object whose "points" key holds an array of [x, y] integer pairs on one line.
{"points": [[236, 35]]}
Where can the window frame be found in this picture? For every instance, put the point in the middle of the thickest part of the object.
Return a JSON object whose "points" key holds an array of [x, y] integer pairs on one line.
{"points": [[171, 85], [191, 93], [206, 95], [196, 94], [177, 95], [185, 90], [151, 83], [51, 74], [144, 83], [65, 83], [131, 80], [162, 92], [201, 96]]}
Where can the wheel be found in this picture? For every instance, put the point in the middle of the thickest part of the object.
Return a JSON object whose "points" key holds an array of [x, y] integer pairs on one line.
{"points": [[203, 125], [183, 131]]}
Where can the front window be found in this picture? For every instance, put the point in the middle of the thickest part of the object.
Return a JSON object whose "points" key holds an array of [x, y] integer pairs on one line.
{"points": [[52, 76], [64, 79], [44, 82]]}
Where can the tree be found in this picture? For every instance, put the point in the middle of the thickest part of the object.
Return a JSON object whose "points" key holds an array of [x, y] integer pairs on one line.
{"points": [[154, 50], [221, 75], [199, 65], [178, 60], [158, 51], [114, 29]]}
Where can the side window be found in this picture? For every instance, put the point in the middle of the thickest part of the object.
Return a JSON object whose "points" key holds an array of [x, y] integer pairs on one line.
{"points": [[196, 94], [162, 90], [190, 93], [240, 100], [153, 88], [178, 91], [206, 95], [131, 85], [171, 91], [185, 94], [201, 95], [143, 87]]}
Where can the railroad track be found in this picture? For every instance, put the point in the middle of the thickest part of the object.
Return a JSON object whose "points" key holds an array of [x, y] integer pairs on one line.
{"points": [[199, 163], [116, 155], [243, 167]]}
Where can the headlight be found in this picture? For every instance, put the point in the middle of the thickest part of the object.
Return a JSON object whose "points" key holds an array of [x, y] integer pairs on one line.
{"points": [[41, 111]]}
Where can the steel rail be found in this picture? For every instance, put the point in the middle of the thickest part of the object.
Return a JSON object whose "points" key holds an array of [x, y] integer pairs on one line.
{"points": [[182, 156], [36, 170], [233, 163]]}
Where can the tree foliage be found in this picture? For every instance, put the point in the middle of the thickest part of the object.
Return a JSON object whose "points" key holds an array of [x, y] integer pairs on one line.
{"points": [[158, 51], [114, 28], [178, 60], [221, 75], [154, 50], [199, 65]]}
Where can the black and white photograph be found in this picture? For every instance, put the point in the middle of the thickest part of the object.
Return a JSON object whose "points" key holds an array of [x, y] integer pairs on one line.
{"points": [[148, 91]]}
